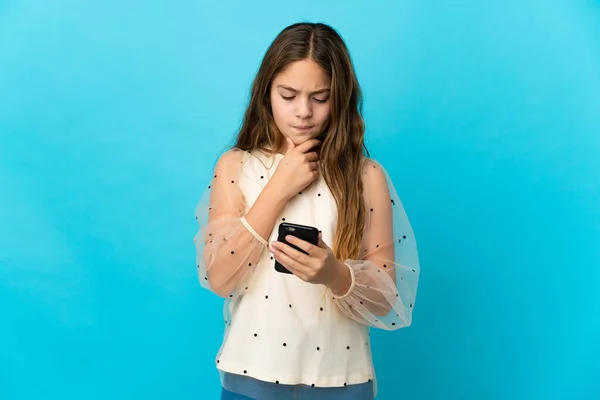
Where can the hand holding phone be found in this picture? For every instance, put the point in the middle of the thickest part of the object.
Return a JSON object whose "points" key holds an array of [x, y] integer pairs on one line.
{"points": [[307, 233]]}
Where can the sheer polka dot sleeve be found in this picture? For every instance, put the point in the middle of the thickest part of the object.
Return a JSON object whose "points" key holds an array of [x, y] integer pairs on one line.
{"points": [[227, 248], [385, 278]]}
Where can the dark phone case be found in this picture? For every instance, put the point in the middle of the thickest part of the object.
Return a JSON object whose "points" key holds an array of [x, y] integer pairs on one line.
{"points": [[307, 233]]}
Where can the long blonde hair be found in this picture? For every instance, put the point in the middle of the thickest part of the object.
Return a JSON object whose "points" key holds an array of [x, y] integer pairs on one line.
{"points": [[343, 150]]}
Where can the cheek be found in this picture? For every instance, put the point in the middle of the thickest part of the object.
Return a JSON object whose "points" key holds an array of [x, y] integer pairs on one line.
{"points": [[279, 109], [322, 114]]}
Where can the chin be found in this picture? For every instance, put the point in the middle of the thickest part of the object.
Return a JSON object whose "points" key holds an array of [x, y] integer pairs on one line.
{"points": [[303, 137]]}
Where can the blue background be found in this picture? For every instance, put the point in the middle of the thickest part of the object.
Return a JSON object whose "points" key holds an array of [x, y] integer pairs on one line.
{"points": [[112, 113]]}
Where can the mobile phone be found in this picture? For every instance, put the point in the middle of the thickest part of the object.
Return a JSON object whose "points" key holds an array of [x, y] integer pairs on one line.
{"points": [[307, 233]]}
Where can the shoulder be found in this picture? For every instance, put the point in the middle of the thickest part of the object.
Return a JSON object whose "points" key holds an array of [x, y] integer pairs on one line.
{"points": [[231, 158], [374, 174]]}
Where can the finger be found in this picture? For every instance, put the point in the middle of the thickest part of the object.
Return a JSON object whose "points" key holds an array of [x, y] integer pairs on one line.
{"points": [[310, 248], [322, 244], [291, 145], [312, 156], [292, 265], [309, 144], [293, 253], [314, 165]]}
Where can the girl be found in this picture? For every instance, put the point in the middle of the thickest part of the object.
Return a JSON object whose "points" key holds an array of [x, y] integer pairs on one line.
{"points": [[300, 158]]}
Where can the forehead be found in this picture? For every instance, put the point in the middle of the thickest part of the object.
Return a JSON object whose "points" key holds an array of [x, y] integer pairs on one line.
{"points": [[303, 75]]}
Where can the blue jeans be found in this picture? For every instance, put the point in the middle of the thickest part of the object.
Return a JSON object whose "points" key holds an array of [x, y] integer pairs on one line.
{"points": [[253, 389], [227, 395]]}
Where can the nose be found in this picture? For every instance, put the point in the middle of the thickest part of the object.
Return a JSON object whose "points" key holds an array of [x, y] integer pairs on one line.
{"points": [[304, 109]]}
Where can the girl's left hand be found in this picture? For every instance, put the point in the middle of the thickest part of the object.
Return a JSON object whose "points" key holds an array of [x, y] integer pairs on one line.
{"points": [[320, 265]]}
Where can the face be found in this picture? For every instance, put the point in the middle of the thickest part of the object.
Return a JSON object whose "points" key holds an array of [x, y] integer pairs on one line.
{"points": [[300, 100]]}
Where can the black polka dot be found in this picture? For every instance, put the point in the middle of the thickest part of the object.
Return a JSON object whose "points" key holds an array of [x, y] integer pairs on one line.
{"points": [[271, 257], [205, 278], [299, 192], [371, 210], [319, 194], [232, 252], [256, 335], [277, 382], [377, 246], [411, 306], [230, 296], [384, 265], [414, 270], [246, 287], [347, 347], [369, 381], [245, 371], [267, 296], [262, 177], [285, 344], [313, 385], [318, 348], [393, 324], [209, 187], [404, 237], [283, 219], [321, 308], [215, 176], [344, 383], [217, 361], [290, 306], [361, 302], [249, 264], [232, 181]]}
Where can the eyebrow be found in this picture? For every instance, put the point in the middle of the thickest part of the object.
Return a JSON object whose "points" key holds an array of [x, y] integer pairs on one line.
{"points": [[296, 91]]}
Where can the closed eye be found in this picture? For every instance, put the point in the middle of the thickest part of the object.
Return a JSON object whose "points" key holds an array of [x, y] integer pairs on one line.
{"points": [[320, 101]]}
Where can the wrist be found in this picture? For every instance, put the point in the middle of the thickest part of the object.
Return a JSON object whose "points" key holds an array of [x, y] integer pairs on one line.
{"points": [[342, 280], [276, 192]]}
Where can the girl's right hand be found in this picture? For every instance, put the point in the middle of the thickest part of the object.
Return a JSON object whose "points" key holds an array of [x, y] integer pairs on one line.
{"points": [[297, 169]]}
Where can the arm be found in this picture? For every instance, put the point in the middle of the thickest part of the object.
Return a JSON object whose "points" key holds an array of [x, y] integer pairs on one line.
{"points": [[230, 241], [383, 282]]}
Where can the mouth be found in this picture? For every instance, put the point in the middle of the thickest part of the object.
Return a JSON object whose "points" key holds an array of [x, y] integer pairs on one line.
{"points": [[303, 127]]}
